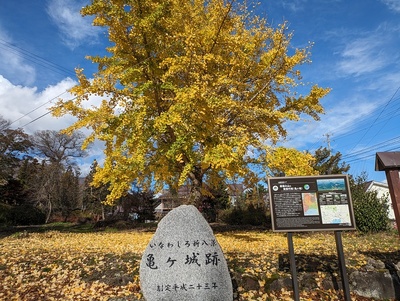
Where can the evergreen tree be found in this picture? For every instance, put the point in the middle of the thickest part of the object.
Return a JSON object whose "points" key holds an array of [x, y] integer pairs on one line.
{"points": [[93, 197], [69, 197], [327, 163]]}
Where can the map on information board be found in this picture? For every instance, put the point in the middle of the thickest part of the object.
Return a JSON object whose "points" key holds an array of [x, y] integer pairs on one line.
{"points": [[311, 203], [335, 214]]}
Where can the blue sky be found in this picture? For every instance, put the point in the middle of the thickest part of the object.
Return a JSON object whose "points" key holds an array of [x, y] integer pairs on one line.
{"points": [[356, 52]]}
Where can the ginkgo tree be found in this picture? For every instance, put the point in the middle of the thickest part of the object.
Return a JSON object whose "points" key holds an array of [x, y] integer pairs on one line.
{"points": [[192, 90]]}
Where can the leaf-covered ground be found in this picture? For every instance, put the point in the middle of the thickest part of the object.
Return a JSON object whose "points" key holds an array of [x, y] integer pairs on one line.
{"points": [[104, 265]]}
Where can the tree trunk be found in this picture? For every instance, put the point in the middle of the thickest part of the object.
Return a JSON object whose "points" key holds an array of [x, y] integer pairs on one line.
{"points": [[103, 215], [195, 197], [48, 212]]}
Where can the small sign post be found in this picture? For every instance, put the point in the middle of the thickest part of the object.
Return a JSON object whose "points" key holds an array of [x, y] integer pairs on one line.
{"points": [[313, 203], [293, 270], [342, 265]]}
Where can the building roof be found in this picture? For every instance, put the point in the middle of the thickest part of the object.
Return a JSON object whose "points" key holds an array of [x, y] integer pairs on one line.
{"points": [[182, 192], [368, 185]]}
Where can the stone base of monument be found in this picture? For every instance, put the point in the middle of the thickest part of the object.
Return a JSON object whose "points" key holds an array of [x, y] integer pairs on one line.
{"points": [[184, 261]]}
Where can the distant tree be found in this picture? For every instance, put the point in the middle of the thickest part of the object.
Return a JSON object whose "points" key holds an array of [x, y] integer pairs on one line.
{"points": [[28, 172], [256, 196], [57, 147], [69, 196], [47, 186], [216, 200], [13, 193], [94, 197], [14, 145], [139, 205], [189, 88], [327, 163], [56, 188], [18, 193]]}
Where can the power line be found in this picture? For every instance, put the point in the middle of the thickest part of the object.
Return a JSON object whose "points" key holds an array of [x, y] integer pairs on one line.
{"points": [[372, 155], [32, 121], [377, 146], [32, 57], [391, 116], [47, 113], [48, 64], [365, 153], [376, 119], [369, 152], [39, 107], [394, 110], [342, 136]]}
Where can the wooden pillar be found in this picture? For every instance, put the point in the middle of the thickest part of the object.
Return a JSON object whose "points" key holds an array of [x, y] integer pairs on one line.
{"points": [[393, 179], [390, 163]]}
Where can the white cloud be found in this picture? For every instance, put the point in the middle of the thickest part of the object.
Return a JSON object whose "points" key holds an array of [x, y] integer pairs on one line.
{"points": [[74, 28], [293, 6], [301, 5], [29, 109], [393, 5], [338, 120], [22, 105], [364, 55], [12, 64]]}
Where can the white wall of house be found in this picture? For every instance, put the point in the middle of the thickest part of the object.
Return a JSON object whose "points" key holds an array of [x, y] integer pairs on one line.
{"points": [[382, 189]]}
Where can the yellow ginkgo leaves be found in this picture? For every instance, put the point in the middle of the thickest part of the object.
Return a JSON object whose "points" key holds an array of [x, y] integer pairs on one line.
{"points": [[188, 88], [105, 266]]}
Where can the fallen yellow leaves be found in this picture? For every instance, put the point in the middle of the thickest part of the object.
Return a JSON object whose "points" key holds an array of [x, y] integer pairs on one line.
{"points": [[105, 266], [66, 266]]}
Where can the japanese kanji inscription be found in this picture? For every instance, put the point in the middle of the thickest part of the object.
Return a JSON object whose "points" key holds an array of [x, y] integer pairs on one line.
{"points": [[184, 261]]}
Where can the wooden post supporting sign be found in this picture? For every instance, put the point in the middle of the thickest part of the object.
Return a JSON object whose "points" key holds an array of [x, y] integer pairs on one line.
{"points": [[342, 266], [293, 269], [390, 163]]}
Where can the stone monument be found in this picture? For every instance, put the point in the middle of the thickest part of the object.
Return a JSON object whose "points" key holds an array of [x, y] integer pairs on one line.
{"points": [[184, 262]]}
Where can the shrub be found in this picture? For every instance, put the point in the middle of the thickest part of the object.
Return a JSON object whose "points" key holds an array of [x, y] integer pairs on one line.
{"points": [[250, 215], [232, 216], [114, 223], [254, 216], [371, 213], [4, 213], [26, 215]]}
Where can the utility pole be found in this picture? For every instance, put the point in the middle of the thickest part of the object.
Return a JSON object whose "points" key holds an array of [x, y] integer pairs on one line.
{"points": [[328, 141]]}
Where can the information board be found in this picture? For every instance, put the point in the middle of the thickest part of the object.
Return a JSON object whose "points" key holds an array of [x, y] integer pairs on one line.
{"points": [[312, 203]]}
